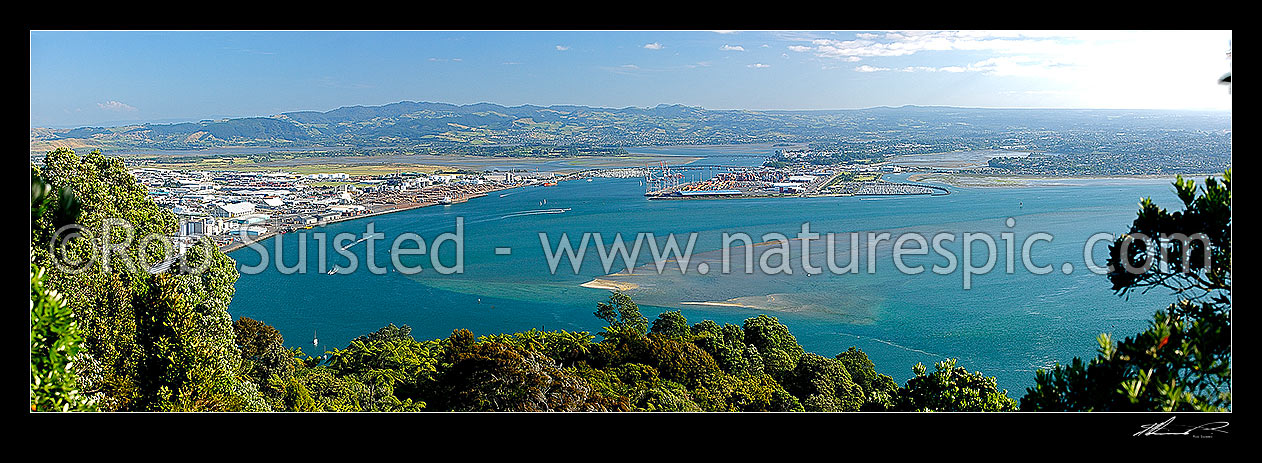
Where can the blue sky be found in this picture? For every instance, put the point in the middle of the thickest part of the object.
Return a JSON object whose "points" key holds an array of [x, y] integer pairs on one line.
{"points": [[84, 78]]}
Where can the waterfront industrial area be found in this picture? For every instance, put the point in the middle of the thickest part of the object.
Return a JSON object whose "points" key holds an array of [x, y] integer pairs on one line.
{"points": [[231, 207]]}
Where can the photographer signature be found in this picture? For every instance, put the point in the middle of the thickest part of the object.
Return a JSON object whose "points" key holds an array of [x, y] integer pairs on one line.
{"points": [[1165, 429]]}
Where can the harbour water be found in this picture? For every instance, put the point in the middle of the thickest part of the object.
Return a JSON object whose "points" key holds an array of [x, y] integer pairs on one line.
{"points": [[1005, 325]]}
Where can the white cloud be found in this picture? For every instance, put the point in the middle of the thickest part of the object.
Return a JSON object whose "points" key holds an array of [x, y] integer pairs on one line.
{"points": [[562, 47], [725, 32], [116, 106], [726, 47], [866, 68], [1095, 69], [939, 69], [912, 42], [758, 66], [654, 46]]}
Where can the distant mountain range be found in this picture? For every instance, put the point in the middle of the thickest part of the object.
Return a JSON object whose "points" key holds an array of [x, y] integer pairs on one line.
{"points": [[422, 124]]}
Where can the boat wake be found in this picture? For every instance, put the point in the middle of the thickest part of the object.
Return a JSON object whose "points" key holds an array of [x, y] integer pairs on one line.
{"points": [[899, 346], [352, 244], [537, 212]]}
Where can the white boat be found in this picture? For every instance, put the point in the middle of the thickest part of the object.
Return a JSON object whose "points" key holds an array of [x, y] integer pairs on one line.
{"points": [[446, 201]]}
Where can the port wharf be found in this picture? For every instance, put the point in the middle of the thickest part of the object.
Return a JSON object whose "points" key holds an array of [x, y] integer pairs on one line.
{"points": [[382, 210], [776, 183]]}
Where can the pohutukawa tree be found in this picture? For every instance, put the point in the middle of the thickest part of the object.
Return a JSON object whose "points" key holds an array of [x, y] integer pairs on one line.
{"points": [[1182, 362]]}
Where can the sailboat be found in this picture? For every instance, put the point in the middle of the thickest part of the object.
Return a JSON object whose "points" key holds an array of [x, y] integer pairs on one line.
{"points": [[315, 338]]}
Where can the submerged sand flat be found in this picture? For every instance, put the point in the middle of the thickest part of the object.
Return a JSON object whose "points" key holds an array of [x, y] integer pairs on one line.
{"points": [[717, 304], [599, 283]]}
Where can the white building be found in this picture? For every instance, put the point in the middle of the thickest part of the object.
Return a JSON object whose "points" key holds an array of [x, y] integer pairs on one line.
{"points": [[333, 176], [233, 209], [344, 208]]}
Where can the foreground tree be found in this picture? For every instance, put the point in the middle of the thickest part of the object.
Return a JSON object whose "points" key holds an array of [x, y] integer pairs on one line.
{"points": [[1182, 362], [622, 314], [951, 389], [55, 345], [150, 341], [56, 337]]}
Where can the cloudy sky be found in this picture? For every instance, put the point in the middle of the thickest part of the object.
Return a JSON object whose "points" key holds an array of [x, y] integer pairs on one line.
{"points": [[82, 78]]}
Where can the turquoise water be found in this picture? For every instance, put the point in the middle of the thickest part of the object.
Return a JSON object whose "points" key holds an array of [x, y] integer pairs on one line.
{"points": [[1005, 325]]}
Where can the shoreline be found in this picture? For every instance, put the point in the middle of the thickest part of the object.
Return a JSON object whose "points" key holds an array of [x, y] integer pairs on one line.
{"points": [[1001, 181], [235, 246], [238, 245]]}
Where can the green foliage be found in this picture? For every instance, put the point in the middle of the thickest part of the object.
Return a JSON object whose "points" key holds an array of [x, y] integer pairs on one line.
{"points": [[55, 344], [62, 204], [622, 314], [951, 389], [672, 325], [563, 347], [186, 359], [150, 342], [824, 385], [1182, 362], [56, 338], [751, 393], [727, 346], [490, 376], [879, 390], [318, 388], [264, 360], [776, 346], [638, 387], [670, 368], [389, 360]]}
